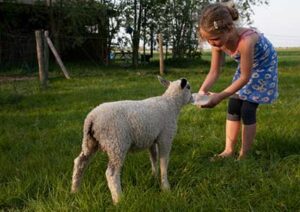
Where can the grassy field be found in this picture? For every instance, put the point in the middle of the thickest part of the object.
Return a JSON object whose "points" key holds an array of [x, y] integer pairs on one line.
{"points": [[41, 130]]}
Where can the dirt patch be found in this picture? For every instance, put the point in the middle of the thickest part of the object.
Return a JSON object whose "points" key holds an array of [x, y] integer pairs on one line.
{"points": [[11, 79]]}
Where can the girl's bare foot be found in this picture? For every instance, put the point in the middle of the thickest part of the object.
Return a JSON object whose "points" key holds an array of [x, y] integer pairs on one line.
{"points": [[241, 157], [225, 154], [221, 156]]}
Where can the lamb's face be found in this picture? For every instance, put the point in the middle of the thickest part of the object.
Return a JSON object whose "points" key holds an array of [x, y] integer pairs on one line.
{"points": [[180, 88], [185, 91]]}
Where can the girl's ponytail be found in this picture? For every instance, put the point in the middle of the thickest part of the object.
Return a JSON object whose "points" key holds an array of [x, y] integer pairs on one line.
{"points": [[232, 10], [234, 13]]}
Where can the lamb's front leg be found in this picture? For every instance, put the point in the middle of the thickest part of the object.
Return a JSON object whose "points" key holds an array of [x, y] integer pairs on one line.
{"points": [[153, 159], [164, 148]]}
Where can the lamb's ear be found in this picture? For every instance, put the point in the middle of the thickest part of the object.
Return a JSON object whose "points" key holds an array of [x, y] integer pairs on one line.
{"points": [[163, 81], [183, 83]]}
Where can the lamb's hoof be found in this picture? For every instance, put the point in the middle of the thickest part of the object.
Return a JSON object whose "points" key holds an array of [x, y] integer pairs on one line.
{"points": [[74, 190], [116, 200], [154, 174], [166, 187]]}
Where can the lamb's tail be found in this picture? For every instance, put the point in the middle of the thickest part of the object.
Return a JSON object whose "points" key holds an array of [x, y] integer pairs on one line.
{"points": [[89, 143], [89, 147]]}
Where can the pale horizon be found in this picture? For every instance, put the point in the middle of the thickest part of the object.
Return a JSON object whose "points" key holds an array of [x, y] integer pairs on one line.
{"points": [[279, 22]]}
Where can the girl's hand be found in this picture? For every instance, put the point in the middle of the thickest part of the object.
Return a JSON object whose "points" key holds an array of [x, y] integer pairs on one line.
{"points": [[208, 93], [203, 93], [214, 99]]}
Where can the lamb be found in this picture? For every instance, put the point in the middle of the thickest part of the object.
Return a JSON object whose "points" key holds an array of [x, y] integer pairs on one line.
{"points": [[118, 127]]}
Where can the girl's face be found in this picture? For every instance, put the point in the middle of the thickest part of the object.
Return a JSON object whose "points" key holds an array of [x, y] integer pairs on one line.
{"points": [[215, 40]]}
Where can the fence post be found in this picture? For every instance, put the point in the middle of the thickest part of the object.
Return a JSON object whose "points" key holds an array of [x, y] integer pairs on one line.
{"points": [[57, 57], [46, 53], [0, 47], [161, 55], [40, 57]]}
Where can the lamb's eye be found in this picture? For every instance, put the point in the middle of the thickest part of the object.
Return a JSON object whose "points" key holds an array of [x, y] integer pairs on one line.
{"points": [[188, 87]]}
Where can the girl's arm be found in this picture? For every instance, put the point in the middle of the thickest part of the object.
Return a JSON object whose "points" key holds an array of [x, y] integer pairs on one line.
{"points": [[246, 50], [212, 76]]}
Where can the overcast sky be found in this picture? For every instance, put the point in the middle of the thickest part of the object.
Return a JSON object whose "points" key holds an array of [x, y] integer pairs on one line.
{"points": [[280, 22]]}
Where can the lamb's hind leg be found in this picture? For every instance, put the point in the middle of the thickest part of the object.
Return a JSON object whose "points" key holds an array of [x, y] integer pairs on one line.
{"points": [[153, 158], [80, 164], [113, 174], [164, 148]]}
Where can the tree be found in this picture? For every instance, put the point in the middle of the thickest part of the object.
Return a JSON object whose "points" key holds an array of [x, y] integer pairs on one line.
{"points": [[179, 23], [81, 25], [139, 16]]}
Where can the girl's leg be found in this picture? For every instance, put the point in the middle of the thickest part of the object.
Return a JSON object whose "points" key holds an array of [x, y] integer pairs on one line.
{"points": [[233, 125], [248, 114], [232, 132], [248, 135]]}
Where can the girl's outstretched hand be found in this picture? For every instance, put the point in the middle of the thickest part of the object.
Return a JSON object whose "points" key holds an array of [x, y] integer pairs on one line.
{"points": [[214, 99]]}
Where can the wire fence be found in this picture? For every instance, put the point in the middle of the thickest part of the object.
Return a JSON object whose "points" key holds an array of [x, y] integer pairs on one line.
{"points": [[18, 51]]}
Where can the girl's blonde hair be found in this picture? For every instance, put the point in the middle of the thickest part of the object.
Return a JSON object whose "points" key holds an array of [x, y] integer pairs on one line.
{"points": [[218, 18]]}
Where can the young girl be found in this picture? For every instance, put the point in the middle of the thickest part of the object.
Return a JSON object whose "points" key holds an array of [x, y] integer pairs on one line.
{"points": [[254, 82]]}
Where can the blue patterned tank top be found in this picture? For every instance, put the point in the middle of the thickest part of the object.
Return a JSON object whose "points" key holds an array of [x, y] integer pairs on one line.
{"points": [[262, 87]]}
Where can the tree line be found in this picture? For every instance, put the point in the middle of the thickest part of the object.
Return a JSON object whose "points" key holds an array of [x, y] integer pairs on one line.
{"points": [[142, 19]]}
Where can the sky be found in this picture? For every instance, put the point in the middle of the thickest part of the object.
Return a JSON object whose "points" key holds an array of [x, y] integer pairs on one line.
{"points": [[279, 21]]}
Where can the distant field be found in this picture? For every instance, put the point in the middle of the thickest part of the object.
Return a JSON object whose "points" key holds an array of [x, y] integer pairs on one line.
{"points": [[41, 130]]}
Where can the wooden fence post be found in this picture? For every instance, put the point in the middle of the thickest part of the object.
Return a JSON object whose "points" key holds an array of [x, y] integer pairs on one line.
{"points": [[40, 57], [57, 57], [0, 52], [46, 54], [161, 55]]}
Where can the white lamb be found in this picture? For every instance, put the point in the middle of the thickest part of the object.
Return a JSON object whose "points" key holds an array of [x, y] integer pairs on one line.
{"points": [[118, 127]]}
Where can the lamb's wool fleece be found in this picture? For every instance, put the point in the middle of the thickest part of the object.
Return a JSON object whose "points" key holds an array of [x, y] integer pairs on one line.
{"points": [[118, 127]]}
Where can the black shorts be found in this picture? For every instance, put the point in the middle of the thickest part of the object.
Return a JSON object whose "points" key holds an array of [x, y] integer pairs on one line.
{"points": [[242, 110]]}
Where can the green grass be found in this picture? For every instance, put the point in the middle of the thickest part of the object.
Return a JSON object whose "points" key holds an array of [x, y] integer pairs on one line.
{"points": [[41, 130]]}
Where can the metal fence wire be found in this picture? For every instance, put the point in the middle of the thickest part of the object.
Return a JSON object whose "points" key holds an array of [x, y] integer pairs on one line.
{"points": [[19, 50]]}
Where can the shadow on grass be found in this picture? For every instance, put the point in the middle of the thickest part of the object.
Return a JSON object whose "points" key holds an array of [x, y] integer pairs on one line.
{"points": [[278, 145]]}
